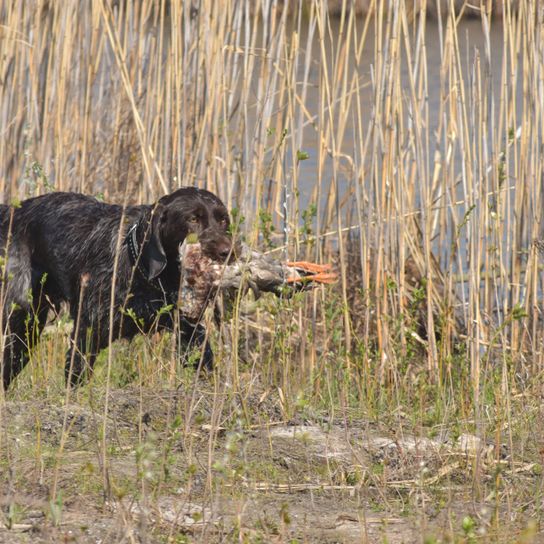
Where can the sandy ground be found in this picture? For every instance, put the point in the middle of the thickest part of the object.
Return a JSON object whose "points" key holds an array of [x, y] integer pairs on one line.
{"points": [[302, 480]]}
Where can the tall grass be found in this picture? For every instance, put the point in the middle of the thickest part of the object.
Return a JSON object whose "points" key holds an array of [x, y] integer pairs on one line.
{"points": [[330, 139]]}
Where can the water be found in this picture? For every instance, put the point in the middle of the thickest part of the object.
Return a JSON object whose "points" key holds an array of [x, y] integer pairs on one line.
{"points": [[472, 43], [477, 58]]}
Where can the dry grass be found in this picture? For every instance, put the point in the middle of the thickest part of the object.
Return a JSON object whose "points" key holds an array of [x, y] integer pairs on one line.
{"points": [[333, 139]]}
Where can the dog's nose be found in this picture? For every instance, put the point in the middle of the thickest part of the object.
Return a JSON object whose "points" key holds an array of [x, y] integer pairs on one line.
{"points": [[224, 251]]}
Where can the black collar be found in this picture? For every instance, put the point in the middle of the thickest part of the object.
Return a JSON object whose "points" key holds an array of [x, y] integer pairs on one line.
{"points": [[135, 252]]}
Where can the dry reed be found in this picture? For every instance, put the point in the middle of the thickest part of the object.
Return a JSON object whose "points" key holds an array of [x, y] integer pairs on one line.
{"points": [[339, 134]]}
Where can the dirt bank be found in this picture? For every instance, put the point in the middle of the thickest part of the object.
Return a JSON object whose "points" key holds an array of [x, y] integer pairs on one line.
{"points": [[266, 479]]}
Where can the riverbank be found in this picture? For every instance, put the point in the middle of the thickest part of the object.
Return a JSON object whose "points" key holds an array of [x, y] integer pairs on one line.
{"points": [[245, 467]]}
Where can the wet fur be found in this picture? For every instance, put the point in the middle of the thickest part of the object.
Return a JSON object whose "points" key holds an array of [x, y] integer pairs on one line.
{"points": [[61, 247]]}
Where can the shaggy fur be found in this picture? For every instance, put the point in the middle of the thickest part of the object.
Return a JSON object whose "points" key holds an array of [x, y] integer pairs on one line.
{"points": [[61, 247]]}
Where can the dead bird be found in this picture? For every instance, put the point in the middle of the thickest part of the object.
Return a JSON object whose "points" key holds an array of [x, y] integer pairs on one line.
{"points": [[202, 277]]}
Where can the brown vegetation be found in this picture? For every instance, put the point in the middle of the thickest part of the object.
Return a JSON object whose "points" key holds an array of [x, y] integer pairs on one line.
{"points": [[328, 138]]}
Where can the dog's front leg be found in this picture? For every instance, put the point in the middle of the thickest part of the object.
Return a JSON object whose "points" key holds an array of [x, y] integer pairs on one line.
{"points": [[193, 344], [80, 357]]}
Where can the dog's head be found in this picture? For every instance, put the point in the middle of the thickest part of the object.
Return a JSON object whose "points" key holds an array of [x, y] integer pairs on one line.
{"points": [[185, 211]]}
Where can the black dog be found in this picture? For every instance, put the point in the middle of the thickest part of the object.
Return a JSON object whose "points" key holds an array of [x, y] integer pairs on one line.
{"points": [[61, 247]]}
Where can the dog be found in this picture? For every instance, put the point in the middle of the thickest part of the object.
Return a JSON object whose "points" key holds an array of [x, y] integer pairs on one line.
{"points": [[66, 247]]}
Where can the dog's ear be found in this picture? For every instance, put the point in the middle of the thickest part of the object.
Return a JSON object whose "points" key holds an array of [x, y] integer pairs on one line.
{"points": [[153, 254]]}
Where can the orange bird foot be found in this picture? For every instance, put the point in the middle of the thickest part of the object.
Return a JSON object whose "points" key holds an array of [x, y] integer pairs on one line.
{"points": [[312, 272]]}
